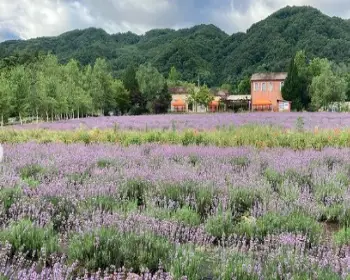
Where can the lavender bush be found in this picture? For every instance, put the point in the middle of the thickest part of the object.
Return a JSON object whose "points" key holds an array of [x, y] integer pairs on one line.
{"points": [[201, 121], [103, 211]]}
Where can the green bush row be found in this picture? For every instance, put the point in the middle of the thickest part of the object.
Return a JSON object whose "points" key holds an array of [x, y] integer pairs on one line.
{"points": [[249, 135]]}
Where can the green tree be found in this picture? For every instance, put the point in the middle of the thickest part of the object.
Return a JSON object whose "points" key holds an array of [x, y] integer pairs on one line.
{"points": [[319, 66], [326, 89], [20, 84], [296, 86], [162, 104], [5, 99], [121, 97], [137, 100], [48, 81], [174, 77], [151, 84], [201, 96], [48, 91], [227, 87], [244, 86], [100, 91]]}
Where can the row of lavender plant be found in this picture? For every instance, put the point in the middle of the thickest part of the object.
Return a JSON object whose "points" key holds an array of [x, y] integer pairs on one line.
{"points": [[201, 121], [238, 212]]}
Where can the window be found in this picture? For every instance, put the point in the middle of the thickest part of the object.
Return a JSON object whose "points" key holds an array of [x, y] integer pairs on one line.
{"points": [[281, 85], [256, 86], [263, 87], [270, 86]]}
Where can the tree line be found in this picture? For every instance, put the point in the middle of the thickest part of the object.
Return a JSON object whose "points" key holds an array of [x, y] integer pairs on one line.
{"points": [[45, 89], [314, 84]]}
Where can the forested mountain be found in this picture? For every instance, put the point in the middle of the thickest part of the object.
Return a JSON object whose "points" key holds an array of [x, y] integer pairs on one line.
{"points": [[202, 50]]}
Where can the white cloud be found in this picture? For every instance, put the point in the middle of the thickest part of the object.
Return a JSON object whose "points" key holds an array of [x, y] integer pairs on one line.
{"points": [[34, 18], [28, 19], [235, 19]]}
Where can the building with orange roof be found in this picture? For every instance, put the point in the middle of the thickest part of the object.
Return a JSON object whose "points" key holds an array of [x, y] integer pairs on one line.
{"points": [[266, 92]]}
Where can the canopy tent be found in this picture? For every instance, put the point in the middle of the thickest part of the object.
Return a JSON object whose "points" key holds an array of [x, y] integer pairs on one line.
{"points": [[179, 105], [262, 105], [262, 102]]}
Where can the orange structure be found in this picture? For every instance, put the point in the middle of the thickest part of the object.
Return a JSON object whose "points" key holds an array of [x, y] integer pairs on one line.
{"points": [[214, 106], [266, 92], [179, 105]]}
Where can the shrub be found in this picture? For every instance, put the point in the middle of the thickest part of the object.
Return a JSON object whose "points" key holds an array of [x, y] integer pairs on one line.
{"points": [[273, 223], [331, 162], [98, 249], [159, 213], [344, 218], [135, 190], [342, 237], [79, 177], [274, 178], [204, 200], [329, 193], [28, 238], [187, 216], [240, 163], [220, 224], [105, 247], [188, 138], [145, 251], [234, 266], [63, 208], [193, 160], [178, 193], [189, 262], [8, 196], [105, 163], [297, 177], [242, 200], [332, 214], [102, 202], [31, 171]]}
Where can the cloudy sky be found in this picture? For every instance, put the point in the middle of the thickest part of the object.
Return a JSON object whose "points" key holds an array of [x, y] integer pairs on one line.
{"points": [[34, 18]]}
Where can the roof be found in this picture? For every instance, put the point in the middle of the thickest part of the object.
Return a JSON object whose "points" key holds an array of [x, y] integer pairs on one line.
{"points": [[269, 76], [178, 90], [239, 97], [221, 93], [261, 102]]}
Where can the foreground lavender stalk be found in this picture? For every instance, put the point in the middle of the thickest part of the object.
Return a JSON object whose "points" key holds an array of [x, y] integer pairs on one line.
{"points": [[80, 189]]}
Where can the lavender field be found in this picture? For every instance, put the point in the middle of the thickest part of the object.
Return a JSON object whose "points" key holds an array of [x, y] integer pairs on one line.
{"points": [[201, 121], [172, 212]]}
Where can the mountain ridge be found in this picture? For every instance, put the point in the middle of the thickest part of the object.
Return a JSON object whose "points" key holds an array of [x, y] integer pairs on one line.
{"points": [[204, 50]]}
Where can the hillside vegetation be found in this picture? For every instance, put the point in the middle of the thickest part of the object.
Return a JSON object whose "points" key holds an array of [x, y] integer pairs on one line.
{"points": [[202, 50]]}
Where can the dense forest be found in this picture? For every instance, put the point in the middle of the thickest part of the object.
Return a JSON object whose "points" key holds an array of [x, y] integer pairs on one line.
{"points": [[203, 51]]}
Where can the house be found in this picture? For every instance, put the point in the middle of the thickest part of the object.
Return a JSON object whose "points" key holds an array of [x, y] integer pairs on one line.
{"points": [[180, 102], [266, 92], [222, 101]]}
